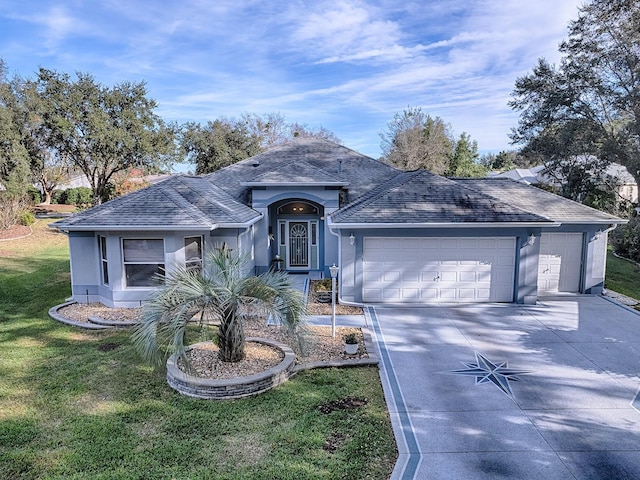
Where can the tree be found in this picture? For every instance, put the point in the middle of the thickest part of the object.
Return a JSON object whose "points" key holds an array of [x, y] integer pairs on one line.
{"points": [[464, 162], [297, 130], [102, 130], [222, 292], [508, 160], [225, 141], [14, 157], [271, 129], [415, 140], [218, 144], [590, 103]]}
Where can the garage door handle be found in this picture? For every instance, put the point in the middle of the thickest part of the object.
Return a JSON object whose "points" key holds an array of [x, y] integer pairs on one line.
{"points": [[436, 278]]}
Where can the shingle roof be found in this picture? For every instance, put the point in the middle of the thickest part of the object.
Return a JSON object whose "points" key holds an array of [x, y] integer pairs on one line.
{"points": [[533, 199], [336, 162], [421, 197], [181, 202], [303, 174]]}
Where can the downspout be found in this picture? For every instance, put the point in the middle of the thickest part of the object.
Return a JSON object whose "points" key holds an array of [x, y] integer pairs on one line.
{"points": [[339, 260]]}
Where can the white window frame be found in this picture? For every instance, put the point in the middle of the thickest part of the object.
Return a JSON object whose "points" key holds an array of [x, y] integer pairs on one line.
{"points": [[104, 262], [160, 266], [194, 263]]}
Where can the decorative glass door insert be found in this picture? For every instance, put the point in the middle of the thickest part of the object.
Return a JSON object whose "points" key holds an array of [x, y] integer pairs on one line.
{"points": [[299, 244]]}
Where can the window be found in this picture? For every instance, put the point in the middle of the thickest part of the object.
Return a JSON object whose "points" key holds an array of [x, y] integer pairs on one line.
{"points": [[193, 253], [103, 260], [314, 233], [143, 262], [283, 225]]}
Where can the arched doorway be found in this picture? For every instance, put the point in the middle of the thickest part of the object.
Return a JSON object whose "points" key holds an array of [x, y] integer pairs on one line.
{"points": [[297, 239]]}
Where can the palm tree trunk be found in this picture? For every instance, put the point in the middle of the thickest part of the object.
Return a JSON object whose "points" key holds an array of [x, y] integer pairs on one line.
{"points": [[231, 338]]}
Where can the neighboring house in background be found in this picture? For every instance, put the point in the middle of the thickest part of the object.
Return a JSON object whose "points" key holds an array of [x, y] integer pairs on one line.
{"points": [[81, 180], [530, 176], [627, 188], [398, 237]]}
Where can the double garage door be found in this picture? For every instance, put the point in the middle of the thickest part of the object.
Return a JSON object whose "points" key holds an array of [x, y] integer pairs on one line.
{"points": [[431, 270]]}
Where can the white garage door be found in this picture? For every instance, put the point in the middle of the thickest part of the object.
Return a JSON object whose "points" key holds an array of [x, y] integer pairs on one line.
{"points": [[560, 262], [429, 270]]}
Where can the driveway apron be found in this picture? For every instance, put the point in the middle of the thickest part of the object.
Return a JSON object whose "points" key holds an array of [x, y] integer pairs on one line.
{"points": [[506, 391]]}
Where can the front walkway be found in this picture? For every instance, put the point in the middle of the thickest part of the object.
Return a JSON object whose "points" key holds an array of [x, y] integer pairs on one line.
{"points": [[505, 391]]}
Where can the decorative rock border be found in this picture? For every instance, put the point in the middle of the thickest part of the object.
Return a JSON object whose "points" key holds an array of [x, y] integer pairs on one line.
{"points": [[92, 323], [53, 313], [370, 347], [240, 387], [112, 323]]}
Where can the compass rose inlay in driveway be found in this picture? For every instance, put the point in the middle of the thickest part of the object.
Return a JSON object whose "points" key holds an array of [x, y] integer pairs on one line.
{"points": [[486, 371]]}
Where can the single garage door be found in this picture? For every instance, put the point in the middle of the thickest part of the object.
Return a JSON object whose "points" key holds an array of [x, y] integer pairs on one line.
{"points": [[430, 270], [560, 263]]}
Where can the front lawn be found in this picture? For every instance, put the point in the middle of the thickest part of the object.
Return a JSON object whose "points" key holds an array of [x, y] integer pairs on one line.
{"points": [[622, 276], [79, 405]]}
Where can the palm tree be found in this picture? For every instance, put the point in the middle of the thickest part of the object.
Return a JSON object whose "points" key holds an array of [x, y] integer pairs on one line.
{"points": [[222, 293]]}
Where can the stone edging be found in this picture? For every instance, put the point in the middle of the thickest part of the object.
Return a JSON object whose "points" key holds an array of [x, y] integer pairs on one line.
{"points": [[233, 387], [53, 313], [355, 362], [112, 323], [20, 237]]}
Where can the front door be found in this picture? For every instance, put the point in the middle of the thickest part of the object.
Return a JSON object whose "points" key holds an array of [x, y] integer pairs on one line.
{"points": [[298, 245]]}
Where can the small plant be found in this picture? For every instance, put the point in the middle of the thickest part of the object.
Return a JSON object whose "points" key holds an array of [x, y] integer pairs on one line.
{"points": [[350, 339], [27, 218], [323, 285]]}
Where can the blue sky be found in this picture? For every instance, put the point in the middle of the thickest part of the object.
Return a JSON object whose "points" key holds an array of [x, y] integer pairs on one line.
{"points": [[348, 66]]}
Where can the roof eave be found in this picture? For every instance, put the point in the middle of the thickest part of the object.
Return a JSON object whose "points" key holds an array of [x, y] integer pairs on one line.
{"points": [[147, 228], [295, 184], [360, 225]]}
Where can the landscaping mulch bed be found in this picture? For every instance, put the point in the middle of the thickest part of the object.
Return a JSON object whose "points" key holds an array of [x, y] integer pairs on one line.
{"points": [[16, 231], [317, 345], [314, 307]]}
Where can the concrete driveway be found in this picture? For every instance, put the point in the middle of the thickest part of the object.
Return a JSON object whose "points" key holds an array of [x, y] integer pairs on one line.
{"points": [[505, 391]]}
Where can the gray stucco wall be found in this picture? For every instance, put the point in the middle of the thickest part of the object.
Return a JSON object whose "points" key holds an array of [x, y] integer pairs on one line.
{"points": [[85, 262]]}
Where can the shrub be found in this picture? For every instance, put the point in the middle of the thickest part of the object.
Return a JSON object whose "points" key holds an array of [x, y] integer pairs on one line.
{"points": [[27, 218], [625, 240], [57, 197], [75, 196], [84, 196], [11, 209], [34, 194]]}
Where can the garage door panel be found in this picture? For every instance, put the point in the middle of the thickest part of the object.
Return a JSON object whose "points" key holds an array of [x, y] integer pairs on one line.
{"points": [[468, 277], [559, 264], [441, 270], [411, 276]]}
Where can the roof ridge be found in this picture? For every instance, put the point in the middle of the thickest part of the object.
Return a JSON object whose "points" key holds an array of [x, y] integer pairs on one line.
{"points": [[378, 190], [225, 206], [184, 205]]}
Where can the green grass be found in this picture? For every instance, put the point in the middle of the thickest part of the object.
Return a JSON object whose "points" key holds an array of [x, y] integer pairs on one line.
{"points": [[622, 276], [69, 410]]}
